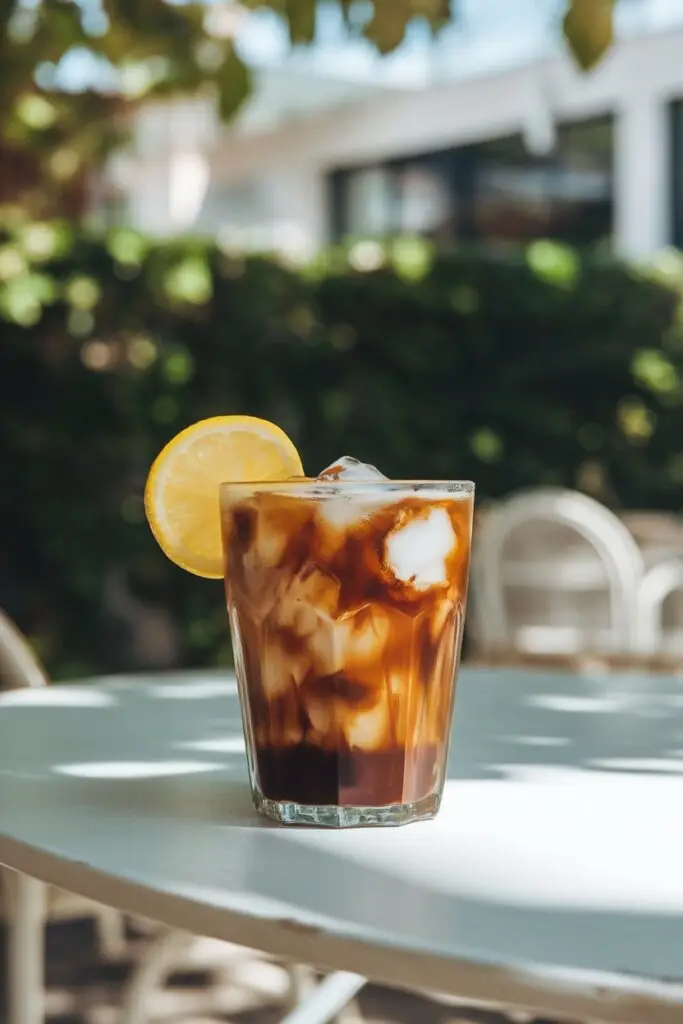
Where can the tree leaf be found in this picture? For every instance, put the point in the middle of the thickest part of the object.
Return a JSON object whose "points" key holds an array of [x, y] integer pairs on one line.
{"points": [[234, 81], [432, 10], [301, 18], [444, 12], [6, 12], [387, 27], [59, 28], [589, 30]]}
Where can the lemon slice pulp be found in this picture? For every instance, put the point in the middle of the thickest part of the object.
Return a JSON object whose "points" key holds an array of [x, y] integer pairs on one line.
{"points": [[181, 495]]}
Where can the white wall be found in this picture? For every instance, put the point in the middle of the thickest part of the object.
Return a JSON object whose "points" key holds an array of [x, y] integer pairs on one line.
{"points": [[636, 82]]}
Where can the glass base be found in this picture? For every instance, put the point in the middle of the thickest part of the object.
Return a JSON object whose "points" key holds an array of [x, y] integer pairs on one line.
{"points": [[334, 816]]}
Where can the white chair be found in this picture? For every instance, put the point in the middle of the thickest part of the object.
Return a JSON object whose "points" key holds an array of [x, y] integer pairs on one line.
{"points": [[554, 572], [25, 902], [658, 584]]}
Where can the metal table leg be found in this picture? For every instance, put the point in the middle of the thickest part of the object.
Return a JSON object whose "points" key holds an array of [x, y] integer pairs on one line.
{"points": [[26, 949], [327, 1000]]}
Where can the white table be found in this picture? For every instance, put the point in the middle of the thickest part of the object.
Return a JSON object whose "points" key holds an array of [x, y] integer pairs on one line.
{"points": [[552, 879]]}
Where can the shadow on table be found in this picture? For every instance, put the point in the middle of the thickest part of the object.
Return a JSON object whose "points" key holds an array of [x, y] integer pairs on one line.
{"points": [[620, 723], [506, 723], [626, 723]]}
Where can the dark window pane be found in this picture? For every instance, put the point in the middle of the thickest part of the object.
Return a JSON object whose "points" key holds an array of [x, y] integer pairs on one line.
{"points": [[511, 196], [370, 202], [494, 193], [426, 199], [567, 195]]}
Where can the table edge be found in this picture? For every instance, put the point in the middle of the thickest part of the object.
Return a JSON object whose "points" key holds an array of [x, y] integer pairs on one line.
{"points": [[612, 998]]}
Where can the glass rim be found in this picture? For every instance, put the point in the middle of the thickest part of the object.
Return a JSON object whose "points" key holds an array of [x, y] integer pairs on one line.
{"points": [[450, 486]]}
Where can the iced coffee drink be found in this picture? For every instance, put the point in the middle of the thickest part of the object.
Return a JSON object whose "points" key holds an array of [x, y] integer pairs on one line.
{"points": [[346, 596]]}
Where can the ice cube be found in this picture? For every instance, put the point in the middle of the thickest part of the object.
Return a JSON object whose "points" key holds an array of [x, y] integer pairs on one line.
{"points": [[368, 635], [351, 470], [416, 551], [280, 668], [320, 714], [341, 511], [311, 595], [349, 643], [367, 729]]}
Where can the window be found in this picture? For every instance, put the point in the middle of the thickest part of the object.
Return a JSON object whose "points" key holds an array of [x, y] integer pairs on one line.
{"points": [[425, 197], [412, 196], [370, 202], [493, 193]]}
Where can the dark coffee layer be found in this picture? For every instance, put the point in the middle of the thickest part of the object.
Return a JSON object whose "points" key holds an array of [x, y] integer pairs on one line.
{"points": [[306, 774]]}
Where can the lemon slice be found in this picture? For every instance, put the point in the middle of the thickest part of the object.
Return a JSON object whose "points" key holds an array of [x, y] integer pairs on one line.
{"points": [[181, 495]]}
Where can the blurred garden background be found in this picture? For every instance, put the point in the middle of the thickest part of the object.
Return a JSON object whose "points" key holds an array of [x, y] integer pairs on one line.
{"points": [[440, 237]]}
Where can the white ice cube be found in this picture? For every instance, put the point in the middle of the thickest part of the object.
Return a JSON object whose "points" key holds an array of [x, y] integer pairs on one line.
{"points": [[350, 469], [416, 553], [339, 510]]}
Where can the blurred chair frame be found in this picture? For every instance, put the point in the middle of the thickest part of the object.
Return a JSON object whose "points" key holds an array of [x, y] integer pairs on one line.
{"points": [[659, 583], [30, 903], [589, 520]]}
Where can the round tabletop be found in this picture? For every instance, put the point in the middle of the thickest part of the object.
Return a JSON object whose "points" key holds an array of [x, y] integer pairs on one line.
{"points": [[552, 877]]}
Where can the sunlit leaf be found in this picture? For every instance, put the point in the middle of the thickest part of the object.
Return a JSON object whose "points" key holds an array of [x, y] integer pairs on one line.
{"points": [[100, 356], [412, 257], [36, 112], [178, 366], [64, 163], [80, 323], [653, 370], [487, 445], [665, 267], [22, 299], [42, 241], [557, 264], [12, 263], [301, 19], [189, 281], [142, 352], [233, 79], [636, 422], [366, 255], [589, 30], [386, 28], [83, 292], [437, 12], [127, 246]]}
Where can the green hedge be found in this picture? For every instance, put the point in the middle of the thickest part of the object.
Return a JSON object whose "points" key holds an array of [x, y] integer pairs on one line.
{"points": [[544, 370]]}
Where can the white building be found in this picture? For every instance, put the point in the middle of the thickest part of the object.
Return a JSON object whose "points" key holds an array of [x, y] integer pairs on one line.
{"points": [[488, 135]]}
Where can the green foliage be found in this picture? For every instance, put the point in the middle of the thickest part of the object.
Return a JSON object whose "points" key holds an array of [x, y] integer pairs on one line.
{"points": [[589, 29], [549, 370]]}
